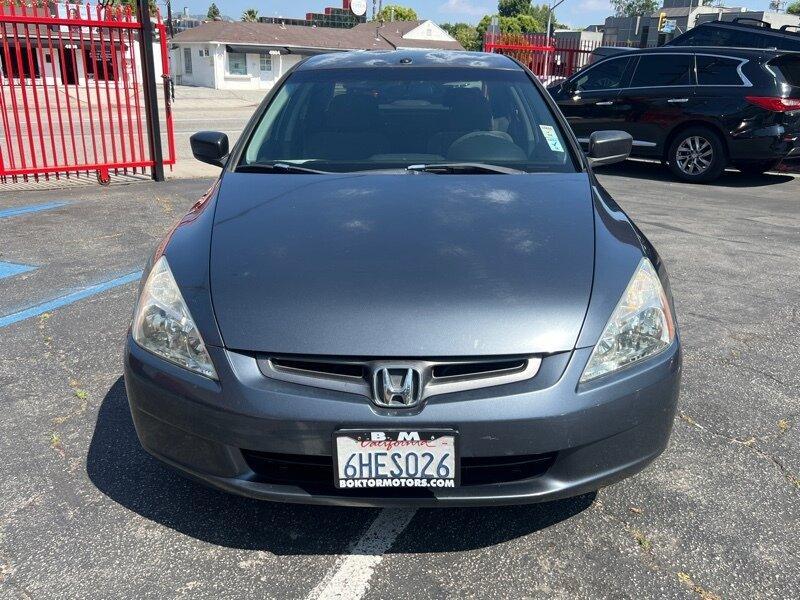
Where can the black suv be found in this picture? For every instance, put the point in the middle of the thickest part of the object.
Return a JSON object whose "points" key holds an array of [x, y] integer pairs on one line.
{"points": [[741, 32], [697, 109]]}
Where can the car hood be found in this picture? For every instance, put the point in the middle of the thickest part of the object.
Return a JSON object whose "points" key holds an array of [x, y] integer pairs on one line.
{"points": [[411, 265]]}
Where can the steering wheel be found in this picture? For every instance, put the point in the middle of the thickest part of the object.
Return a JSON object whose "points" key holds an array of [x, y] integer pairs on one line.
{"points": [[482, 146]]}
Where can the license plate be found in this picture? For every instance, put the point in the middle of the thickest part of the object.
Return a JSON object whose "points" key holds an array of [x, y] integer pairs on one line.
{"points": [[421, 459]]}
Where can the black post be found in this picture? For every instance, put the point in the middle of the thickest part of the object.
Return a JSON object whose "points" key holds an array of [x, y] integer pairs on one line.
{"points": [[149, 85], [169, 20]]}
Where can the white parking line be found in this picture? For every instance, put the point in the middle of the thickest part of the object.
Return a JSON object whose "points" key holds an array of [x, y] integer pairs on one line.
{"points": [[350, 575]]}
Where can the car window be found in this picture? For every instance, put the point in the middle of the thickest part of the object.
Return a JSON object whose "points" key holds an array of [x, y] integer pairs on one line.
{"points": [[347, 120], [715, 70], [786, 43], [663, 70], [789, 67], [605, 76]]}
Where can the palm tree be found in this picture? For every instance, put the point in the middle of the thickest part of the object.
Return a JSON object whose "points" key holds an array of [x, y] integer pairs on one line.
{"points": [[250, 15]]}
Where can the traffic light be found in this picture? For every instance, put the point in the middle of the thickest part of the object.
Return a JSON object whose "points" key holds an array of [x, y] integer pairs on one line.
{"points": [[662, 18]]}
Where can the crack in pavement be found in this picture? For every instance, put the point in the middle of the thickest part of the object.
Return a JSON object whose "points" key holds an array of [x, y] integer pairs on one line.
{"points": [[749, 443]]}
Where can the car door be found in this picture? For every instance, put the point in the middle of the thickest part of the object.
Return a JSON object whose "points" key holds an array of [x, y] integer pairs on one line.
{"points": [[660, 95], [589, 98]]}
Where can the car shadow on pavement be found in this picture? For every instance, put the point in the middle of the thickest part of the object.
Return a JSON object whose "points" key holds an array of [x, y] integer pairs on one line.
{"points": [[119, 467], [657, 172]]}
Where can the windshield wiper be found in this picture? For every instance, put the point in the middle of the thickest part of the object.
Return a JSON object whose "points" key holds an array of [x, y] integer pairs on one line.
{"points": [[463, 168], [277, 168]]}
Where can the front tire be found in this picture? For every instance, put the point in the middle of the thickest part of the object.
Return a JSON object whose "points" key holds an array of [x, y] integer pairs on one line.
{"points": [[697, 155]]}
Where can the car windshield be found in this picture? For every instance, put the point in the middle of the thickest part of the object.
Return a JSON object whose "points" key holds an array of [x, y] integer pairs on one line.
{"points": [[348, 120]]}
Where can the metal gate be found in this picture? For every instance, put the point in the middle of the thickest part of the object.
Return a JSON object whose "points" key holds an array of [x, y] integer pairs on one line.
{"points": [[78, 94], [533, 50], [549, 59]]}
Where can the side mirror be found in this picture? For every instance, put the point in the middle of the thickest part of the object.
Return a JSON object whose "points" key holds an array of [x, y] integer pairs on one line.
{"points": [[210, 147], [559, 89], [609, 147]]}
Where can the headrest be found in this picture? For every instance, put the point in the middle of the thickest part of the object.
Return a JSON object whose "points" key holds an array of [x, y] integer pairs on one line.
{"points": [[469, 110], [351, 112]]}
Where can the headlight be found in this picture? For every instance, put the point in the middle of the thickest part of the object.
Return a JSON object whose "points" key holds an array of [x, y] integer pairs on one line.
{"points": [[162, 323], [640, 326]]}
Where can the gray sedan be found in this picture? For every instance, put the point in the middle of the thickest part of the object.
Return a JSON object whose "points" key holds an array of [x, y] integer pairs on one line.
{"points": [[406, 287]]}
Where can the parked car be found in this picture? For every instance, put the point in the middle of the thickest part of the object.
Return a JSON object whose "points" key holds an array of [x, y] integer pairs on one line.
{"points": [[406, 287], [741, 32], [699, 110], [602, 52]]}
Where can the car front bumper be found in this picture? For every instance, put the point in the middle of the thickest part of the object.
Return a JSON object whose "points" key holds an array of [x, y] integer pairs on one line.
{"points": [[592, 435]]}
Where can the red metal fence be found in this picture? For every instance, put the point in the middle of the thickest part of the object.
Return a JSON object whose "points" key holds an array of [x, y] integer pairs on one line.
{"points": [[71, 91], [547, 58]]}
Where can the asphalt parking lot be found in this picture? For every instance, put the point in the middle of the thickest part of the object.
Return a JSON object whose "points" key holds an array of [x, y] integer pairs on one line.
{"points": [[85, 513]]}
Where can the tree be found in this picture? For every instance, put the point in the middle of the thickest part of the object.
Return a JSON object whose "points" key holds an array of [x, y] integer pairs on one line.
{"points": [[634, 8], [250, 15], [133, 5], [794, 8], [531, 24], [513, 8], [213, 12], [540, 12], [533, 20], [507, 25], [395, 12], [465, 34]]}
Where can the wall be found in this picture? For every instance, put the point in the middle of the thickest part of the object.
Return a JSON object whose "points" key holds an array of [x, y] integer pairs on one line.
{"points": [[203, 71], [426, 31], [619, 30], [212, 71], [576, 39]]}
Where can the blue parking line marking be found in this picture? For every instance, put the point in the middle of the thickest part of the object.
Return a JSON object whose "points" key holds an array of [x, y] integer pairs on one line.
{"points": [[32, 208], [61, 301], [10, 269]]}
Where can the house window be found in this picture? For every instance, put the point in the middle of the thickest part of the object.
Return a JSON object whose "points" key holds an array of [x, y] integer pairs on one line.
{"points": [[200, 52], [266, 62], [99, 64], [237, 63], [187, 61]]}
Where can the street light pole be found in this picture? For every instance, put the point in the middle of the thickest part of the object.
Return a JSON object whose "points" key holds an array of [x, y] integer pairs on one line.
{"points": [[547, 34]]}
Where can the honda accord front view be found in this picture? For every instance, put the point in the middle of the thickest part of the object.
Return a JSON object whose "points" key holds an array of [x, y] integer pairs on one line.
{"points": [[406, 287]]}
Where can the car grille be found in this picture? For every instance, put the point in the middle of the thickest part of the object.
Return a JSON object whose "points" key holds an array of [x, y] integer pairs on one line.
{"points": [[437, 376], [316, 472]]}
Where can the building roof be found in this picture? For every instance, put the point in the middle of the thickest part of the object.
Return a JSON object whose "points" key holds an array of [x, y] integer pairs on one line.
{"points": [[290, 36], [401, 27], [395, 33], [361, 37]]}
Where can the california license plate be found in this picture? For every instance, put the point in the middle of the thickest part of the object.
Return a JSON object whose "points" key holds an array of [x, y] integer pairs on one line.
{"points": [[422, 459]]}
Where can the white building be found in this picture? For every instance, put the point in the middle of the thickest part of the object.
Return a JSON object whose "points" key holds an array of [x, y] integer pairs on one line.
{"points": [[253, 56]]}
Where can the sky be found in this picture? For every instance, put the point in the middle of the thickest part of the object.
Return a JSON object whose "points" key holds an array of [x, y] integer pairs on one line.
{"points": [[572, 12]]}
